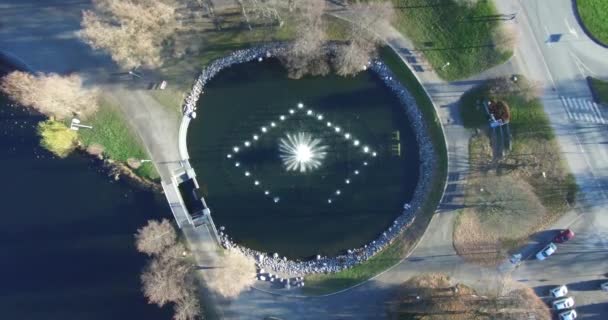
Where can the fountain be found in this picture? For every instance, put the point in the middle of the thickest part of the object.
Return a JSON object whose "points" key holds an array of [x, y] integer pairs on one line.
{"points": [[301, 152]]}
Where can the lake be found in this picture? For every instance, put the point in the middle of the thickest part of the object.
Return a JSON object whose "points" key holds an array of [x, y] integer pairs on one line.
{"points": [[66, 237]]}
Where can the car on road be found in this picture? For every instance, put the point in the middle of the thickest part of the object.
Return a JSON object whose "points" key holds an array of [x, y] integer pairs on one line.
{"points": [[546, 251], [568, 315], [564, 236], [559, 292], [604, 286], [563, 304]]}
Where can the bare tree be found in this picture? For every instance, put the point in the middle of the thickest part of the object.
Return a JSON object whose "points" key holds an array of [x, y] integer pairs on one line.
{"points": [[261, 11], [236, 273], [165, 279], [155, 237], [504, 37], [188, 307], [51, 94], [369, 22], [527, 89], [306, 54], [131, 31]]}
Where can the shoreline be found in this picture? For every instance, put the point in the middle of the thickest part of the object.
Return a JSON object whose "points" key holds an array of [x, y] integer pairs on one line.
{"points": [[289, 267]]}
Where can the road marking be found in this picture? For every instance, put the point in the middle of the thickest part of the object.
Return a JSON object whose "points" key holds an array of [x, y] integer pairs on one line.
{"points": [[582, 110], [570, 29], [580, 64], [597, 111]]}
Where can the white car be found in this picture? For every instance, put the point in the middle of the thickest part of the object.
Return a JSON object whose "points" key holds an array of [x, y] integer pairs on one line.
{"points": [[604, 286], [568, 315], [562, 304], [559, 292], [546, 252]]}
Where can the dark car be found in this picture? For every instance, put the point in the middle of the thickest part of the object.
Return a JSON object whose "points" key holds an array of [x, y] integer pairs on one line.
{"points": [[564, 236]]}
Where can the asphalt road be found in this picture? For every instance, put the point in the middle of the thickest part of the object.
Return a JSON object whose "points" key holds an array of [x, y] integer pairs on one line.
{"points": [[581, 127]]}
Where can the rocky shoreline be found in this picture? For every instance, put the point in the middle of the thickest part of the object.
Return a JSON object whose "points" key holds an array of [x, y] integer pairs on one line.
{"points": [[290, 268]]}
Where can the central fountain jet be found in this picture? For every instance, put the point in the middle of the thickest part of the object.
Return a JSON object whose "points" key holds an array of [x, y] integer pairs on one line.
{"points": [[301, 152]]}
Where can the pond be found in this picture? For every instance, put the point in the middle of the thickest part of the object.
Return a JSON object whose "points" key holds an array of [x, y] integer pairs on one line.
{"points": [[302, 167], [66, 237]]}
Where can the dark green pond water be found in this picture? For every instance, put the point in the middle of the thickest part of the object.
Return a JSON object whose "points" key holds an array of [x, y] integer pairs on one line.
{"points": [[347, 201], [66, 236]]}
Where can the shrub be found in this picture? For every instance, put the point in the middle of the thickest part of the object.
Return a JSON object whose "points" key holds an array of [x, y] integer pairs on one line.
{"points": [[57, 137]]}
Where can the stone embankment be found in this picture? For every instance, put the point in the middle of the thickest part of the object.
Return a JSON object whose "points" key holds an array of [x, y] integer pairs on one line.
{"points": [[289, 268]]}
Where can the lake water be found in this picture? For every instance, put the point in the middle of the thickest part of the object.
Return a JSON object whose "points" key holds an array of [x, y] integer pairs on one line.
{"points": [[345, 202], [66, 234]]}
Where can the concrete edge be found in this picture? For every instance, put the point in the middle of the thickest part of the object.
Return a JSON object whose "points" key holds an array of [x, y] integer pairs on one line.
{"points": [[581, 23]]}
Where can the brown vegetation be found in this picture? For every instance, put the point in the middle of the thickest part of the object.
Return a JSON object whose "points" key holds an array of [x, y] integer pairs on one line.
{"points": [[131, 31], [362, 40], [529, 90], [502, 212], [51, 94], [235, 274], [306, 54], [500, 110], [168, 277], [505, 37], [265, 12], [437, 297], [155, 237]]}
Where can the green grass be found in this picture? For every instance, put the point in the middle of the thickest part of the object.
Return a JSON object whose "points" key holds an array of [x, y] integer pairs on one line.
{"points": [[327, 283], [600, 90], [446, 32], [119, 142], [594, 14]]}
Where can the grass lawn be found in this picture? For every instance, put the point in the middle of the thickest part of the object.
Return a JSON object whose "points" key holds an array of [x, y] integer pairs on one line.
{"points": [[327, 283], [508, 199], [447, 32], [594, 14], [119, 142], [600, 90]]}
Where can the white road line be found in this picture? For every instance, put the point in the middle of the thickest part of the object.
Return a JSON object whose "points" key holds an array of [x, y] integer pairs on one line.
{"points": [[581, 104], [587, 117], [565, 104], [597, 111], [574, 105], [595, 115], [570, 29]]}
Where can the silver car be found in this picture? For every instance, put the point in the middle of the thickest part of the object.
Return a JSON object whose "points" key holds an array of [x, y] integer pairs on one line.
{"points": [[563, 304], [546, 251], [568, 315], [559, 292]]}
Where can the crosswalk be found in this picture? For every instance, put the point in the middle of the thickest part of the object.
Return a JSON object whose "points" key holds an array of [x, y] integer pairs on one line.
{"points": [[583, 110]]}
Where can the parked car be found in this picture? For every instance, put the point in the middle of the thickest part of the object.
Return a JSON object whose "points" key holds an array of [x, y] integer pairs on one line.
{"points": [[604, 286], [559, 292], [568, 315], [563, 304], [546, 251], [564, 236]]}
